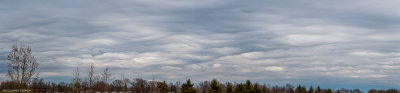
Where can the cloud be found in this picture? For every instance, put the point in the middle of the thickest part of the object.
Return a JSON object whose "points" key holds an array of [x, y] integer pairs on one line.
{"points": [[274, 68], [49, 74], [299, 39], [171, 68], [3, 77], [366, 53], [225, 50], [337, 41], [216, 65]]}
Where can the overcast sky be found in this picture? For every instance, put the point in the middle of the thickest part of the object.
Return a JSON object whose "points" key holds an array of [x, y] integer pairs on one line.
{"points": [[340, 43]]}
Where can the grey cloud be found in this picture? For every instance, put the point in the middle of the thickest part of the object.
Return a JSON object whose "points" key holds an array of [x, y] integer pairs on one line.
{"points": [[233, 40]]}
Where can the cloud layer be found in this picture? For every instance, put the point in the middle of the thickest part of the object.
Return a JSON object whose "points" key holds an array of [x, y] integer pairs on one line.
{"points": [[312, 42]]}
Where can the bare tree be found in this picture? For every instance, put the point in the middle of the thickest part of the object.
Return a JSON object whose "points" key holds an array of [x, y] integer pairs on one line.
{"points": [[90, 74], [204, 86], [22, 65], [106, 75], [76, 81], [76, 75]]}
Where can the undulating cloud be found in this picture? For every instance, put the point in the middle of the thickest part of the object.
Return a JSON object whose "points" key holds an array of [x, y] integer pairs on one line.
{"points": [[263, 40]]}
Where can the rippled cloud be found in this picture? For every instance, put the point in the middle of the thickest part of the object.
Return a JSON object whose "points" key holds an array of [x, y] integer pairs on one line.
{"points": [[262, 40]]}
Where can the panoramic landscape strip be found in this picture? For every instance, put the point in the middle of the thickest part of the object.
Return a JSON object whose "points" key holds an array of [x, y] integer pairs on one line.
{"points": [[24, 77], [199, 46]]}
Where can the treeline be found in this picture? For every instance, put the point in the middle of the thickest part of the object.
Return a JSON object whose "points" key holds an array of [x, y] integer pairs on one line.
{"points": [[101, 82], [142, 86], [22, 67]]}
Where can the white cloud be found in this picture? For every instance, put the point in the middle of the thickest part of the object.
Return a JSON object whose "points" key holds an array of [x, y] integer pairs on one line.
{"points": [[3, 77], [145, 59], [216, 65], [171, 68], [225, 50], [245, 70], [93, 43], [307, 39], [49, 74], [367, 53], [274, 68], [114, 56], [24, 35], [180, 47], [101, 42], [252, 55], [193, 67]]}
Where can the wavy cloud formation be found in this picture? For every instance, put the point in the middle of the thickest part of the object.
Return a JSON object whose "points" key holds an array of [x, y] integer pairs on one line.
{"points": [[311, 42]]}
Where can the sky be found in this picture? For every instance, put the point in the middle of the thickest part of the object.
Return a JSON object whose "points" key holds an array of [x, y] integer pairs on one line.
{"points": [[334, 44]]}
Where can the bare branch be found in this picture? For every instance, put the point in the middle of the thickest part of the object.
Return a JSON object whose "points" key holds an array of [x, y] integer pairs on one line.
{"points": [[22, 64]]}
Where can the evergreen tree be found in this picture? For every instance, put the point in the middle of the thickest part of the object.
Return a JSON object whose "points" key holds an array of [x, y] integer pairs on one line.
{"points": [[215, 87], [243, 88], [318, 90], [163, 87], [248, 86], [229, 87], [240, 88], [187, 87], [256, 88], [304, 90], [329, 91], [311, 90], [300, 89]]}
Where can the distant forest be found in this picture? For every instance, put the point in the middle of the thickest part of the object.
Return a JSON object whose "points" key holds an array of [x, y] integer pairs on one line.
{"points": [[23, 77]]}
